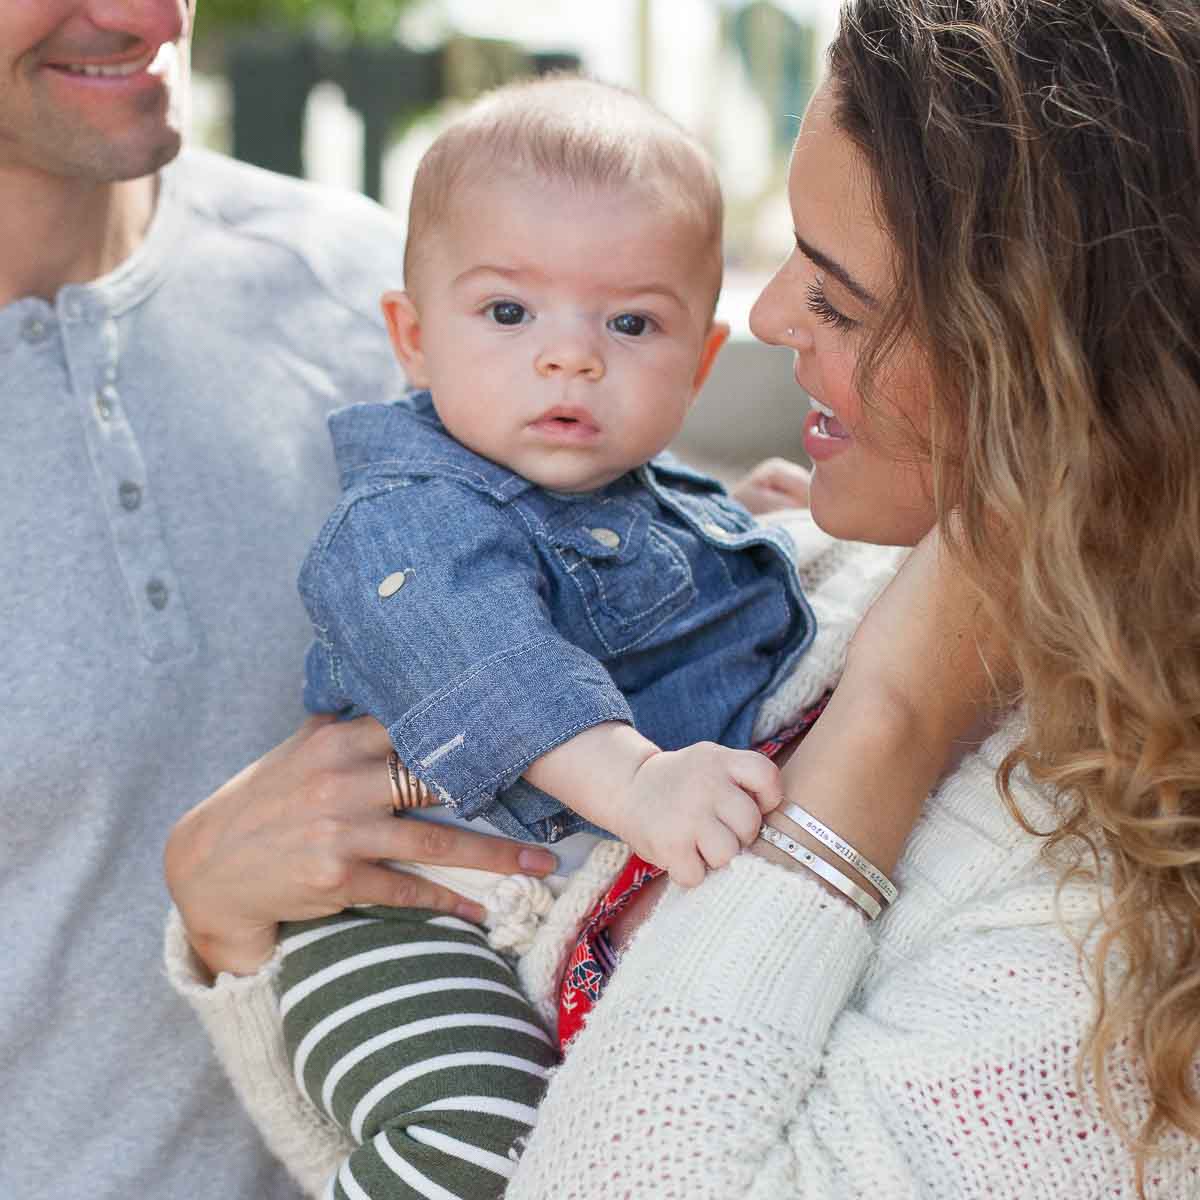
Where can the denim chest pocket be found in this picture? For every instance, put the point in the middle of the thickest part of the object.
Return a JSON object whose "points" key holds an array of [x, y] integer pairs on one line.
{"points": [[629, 574]]}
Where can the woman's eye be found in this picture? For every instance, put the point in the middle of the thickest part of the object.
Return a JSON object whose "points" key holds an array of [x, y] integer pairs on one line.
{"points": [[630, 324], [507, 312], [818, 304]]}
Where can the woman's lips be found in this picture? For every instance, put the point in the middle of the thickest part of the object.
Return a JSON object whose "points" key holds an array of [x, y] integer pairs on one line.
{"points": [[824, 435]]}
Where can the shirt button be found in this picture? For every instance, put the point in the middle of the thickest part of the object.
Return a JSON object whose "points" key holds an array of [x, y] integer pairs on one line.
{"points": [[392, 584], [106, 402], [34, 330], [606, 537], [131, 497], [156, 593]]}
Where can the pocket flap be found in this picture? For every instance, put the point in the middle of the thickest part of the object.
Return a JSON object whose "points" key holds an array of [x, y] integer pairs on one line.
{"points": [[603, 531]]}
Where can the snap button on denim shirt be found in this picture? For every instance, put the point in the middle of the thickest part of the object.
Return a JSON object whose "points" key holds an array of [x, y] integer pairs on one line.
{"points": [[527, 616]]}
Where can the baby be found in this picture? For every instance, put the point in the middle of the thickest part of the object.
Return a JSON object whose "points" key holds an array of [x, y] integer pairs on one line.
{"points": [[566, 633]]}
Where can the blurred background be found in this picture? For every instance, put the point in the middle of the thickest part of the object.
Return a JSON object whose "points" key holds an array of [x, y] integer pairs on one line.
{"points": [[351, 92]]}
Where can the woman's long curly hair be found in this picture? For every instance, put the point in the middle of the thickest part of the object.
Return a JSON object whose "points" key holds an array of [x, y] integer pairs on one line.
{"points": [[1037, 165]]}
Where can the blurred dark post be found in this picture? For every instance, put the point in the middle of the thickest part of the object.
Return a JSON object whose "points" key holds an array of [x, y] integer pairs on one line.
{"points": [[271, 77], [385, 82]]}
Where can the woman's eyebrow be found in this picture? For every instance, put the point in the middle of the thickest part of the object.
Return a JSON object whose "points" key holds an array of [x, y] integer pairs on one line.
{"points": [[836, 269]]}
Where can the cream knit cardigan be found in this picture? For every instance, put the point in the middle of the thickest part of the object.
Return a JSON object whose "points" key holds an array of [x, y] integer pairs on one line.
{"points": [[762, 1042]]}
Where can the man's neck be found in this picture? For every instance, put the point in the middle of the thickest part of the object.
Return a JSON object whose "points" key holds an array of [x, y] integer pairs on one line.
{"points": [[54, 231]]}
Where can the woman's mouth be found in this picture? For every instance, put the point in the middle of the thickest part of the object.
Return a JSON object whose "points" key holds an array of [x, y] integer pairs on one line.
{"points": [[827, 424]]}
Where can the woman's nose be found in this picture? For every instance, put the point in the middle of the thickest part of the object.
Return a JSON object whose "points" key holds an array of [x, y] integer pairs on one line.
{"points": [[779, 316]]}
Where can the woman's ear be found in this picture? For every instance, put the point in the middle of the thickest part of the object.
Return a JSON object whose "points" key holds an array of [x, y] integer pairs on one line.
{"points": [[717, 336], [404, 328]]}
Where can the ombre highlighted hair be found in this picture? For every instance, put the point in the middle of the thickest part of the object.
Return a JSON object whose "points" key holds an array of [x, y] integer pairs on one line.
{"points": [[1037, 165]]}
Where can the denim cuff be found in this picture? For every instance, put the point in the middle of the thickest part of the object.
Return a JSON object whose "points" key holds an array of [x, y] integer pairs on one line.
{"points": [[474, 737]]}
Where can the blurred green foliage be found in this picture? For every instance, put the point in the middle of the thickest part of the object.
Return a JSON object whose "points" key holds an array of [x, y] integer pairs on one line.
{"points": [[358, 18]]}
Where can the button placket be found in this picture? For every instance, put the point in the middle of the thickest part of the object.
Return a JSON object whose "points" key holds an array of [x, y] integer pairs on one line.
{"points": [[92, 348], [34, 330]]}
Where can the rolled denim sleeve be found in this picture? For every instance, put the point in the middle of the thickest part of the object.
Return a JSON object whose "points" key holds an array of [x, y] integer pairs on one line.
{"points": [[431, 614]]}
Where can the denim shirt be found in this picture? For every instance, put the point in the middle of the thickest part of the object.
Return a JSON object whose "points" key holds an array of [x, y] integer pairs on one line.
{"points": [[484, 620]]}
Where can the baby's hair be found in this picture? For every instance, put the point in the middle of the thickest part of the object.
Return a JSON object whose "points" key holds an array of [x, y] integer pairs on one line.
{"points": [[568, 128]]}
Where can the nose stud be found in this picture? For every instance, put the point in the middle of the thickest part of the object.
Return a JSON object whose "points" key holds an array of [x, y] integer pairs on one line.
{"points": [[790, 331]]}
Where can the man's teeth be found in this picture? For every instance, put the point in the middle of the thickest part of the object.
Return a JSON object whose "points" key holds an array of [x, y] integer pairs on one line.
{"points": [[109, 70], [819, 407]]}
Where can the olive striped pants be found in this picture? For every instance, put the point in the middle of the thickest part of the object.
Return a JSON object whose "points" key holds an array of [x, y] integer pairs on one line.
{"points": [[412, 1034]]}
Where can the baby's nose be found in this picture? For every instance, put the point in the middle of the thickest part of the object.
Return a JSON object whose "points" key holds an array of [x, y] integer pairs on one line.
{"points": [[570, 355]]}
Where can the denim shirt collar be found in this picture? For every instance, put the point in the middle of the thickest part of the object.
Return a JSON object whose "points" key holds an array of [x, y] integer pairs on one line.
{"points": [[405, 438]]}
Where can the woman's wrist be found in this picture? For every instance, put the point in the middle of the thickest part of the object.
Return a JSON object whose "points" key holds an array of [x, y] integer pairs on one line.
{"points": [[244, 955]]}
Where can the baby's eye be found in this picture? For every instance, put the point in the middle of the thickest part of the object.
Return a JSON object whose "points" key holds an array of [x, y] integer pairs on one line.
{"points": [[630, 324], [507, 312]]}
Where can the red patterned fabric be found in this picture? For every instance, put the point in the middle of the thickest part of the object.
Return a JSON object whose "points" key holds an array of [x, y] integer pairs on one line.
{"points": [[593, 959]]}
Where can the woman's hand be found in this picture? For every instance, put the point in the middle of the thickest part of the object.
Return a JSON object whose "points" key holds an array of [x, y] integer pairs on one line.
{"points": [[774, 484], [301, 833], [927, 646], [921, 676]]}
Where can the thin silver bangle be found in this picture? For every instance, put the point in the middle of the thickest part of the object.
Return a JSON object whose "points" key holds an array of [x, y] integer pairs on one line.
{"points": [[818, 866], [847, 853]]}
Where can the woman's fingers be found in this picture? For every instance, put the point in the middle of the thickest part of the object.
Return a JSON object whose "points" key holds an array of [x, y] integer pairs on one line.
{"points": [[300, 833], [410, 839], [375, 884]]}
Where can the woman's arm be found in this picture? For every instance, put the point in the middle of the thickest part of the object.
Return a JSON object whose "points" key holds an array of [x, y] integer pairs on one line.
{"points": [[729, 995]]}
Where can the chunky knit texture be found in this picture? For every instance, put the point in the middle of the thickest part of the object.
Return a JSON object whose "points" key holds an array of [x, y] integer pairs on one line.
{"points": [[760, 1041]]}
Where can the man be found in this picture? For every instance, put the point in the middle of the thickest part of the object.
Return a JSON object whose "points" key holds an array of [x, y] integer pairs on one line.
{"points": [[173, 332]]}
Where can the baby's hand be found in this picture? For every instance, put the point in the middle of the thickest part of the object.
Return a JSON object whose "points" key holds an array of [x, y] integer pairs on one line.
{"points": [[693, 809]]}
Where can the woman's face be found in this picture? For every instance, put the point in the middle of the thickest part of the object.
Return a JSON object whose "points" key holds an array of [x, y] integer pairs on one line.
{"points": [[867, 482]]}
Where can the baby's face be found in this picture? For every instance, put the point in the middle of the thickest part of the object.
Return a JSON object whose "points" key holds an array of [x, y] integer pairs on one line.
{"points": [[563, 331]]}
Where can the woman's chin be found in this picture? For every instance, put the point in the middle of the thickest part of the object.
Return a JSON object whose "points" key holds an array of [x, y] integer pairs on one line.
{"points": [[865, 519]]}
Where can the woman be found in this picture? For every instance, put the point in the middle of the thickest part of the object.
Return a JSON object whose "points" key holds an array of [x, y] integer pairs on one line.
{"points": [[994, 302], [999, 245]]}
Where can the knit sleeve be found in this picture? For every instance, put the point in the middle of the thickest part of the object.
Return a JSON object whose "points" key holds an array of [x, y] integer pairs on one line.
{"points": [[240, 1014], [757, 1042], [700, 1053]]}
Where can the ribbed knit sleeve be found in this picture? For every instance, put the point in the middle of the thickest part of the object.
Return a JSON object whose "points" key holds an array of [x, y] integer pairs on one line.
{"points": [[703, 1047], [240, 1014]]}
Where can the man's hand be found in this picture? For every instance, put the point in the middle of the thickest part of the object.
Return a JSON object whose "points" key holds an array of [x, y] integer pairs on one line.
{"points": [[690, 811]]}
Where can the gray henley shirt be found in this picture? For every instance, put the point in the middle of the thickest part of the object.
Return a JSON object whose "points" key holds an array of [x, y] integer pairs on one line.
{"points": [[165, 464]]}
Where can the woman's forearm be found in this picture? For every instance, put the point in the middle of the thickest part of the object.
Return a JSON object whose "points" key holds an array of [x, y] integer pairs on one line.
{"points": [[703, 1048]]}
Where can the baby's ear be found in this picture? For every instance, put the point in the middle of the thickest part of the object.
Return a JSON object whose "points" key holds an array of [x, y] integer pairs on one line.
{"points": [[404, 328], [717, 336]]}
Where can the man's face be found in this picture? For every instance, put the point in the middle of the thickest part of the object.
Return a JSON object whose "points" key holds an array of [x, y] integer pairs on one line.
{"points": [[92, 89]]}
